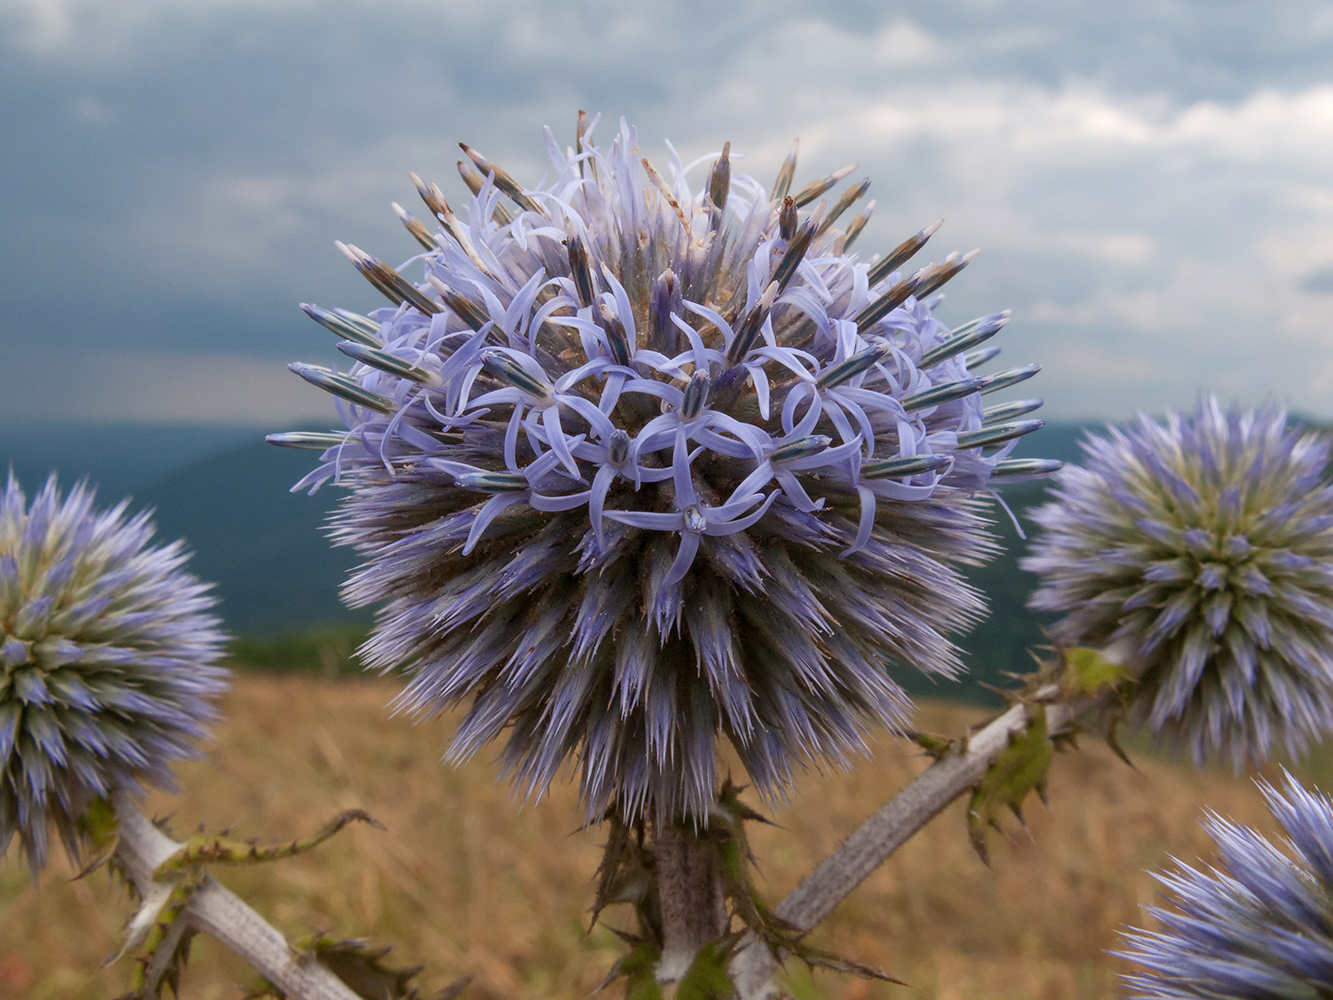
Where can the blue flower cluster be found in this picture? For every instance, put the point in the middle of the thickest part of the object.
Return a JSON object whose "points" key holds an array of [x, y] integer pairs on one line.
{"points": [[636, 465], [1201, 550], [108, 661], [1254, 926]]}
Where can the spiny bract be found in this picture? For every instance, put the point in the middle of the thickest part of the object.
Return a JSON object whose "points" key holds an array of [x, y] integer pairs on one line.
{"points": [[107, 661], [1256, 924], [1202, 548], [638, 464]]}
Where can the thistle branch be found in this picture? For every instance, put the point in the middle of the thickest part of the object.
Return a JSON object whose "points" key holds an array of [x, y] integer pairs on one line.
{"points": [[213, 909], [893, 825]]}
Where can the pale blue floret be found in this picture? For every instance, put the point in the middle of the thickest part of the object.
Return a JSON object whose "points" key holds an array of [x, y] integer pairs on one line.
{"points": [[634, 488], [1255, 924]]}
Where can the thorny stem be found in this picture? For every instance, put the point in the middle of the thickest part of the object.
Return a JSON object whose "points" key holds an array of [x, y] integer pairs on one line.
{"points": [[754, 966], [220, 913], [689, 885]]}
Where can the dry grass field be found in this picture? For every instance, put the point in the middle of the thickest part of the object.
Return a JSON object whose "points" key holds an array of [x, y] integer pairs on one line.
{"points": [[467, 881]]}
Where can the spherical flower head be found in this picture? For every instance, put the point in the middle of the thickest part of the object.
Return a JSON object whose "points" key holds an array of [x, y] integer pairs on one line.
{"points": [[1202, 549], [107, 661], [639, 464], [1256, 924]]}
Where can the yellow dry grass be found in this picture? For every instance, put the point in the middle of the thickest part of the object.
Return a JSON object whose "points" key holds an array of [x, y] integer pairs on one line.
{"points": [[467, 881]]}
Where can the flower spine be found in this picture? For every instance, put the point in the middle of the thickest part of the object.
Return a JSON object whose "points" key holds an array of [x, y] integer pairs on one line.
{"points": [[108, 661], [1254, 924], [1202, 548], [636, 465]]}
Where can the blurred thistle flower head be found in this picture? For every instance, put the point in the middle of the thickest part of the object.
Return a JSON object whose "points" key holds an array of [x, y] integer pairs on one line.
{"points": [[638, 463], [107, 661], [1202, 547], [1256, 923]]}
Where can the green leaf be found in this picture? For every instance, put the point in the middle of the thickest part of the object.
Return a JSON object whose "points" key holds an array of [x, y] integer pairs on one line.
{"points": [[1020, 768], [706, 978], [203, 849], [1092, 672]]}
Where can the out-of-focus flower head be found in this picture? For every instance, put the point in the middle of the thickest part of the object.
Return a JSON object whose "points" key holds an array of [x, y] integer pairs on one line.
{"points": [[639, 463], [107, 661], [1255, 924], [1201, 549]]}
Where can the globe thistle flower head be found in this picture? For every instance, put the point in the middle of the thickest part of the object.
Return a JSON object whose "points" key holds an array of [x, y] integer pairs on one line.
{"points": [[1201, 547], [640, 463], [107, 661], [1256, 923]]}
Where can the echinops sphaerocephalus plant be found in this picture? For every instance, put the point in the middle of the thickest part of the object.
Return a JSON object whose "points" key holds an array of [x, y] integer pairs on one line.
{"points": [[637, 464], [1255, 923], [108, 661], [1201, 548]]}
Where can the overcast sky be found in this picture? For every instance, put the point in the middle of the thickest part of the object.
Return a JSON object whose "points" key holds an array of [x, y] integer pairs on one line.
{"points": [[1151, 182]]}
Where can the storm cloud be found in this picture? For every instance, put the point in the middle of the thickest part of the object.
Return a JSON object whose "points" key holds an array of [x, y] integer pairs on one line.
{"points": [[1149, 180]]}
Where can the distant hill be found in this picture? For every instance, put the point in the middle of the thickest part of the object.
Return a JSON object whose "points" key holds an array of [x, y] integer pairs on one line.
{"points": [[226, 492]]}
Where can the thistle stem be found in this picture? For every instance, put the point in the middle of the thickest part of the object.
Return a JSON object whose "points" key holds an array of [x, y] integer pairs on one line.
{"points": [[754, 966], [689, 884], [217, 912]]}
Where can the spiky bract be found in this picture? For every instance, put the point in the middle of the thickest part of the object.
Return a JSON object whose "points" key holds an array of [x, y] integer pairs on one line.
{"points": [[107, 661], [1202, 549], [1255, 926], [639, 464]]}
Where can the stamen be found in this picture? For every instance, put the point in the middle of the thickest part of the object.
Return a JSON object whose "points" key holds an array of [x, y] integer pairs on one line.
{"points": [[492, 482], [1012, 467], [586, 166], [802, 447], [999, 433], [945, 393], [719, 179], [747, 334], [471, 314], [579, 269], [393, 285], [857, 224], [787, 219], [516, 375], [419, 232], [475, 180], [503, 181], [849, 198], [1007, 411], [977, 358], [846, 370], [887, 302], [1003, 380], [795, 253], [386, 362], [695, 395], [937, 274], [306, 440], [785, 173], [814, 189], [908, 465], [344, 386], [902, 253], [616, 337], [965, 337], [347, 325], [658, 181]]}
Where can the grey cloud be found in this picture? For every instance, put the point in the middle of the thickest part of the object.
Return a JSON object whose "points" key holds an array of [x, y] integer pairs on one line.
{"points": [[176, 185]]}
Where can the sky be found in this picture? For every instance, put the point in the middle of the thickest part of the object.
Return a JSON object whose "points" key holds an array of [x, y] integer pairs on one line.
{"points": [[1150, 181]]}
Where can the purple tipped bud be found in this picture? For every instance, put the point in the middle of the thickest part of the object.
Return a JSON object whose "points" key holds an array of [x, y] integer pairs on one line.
{"points": [[695, 396], [492, 482], [802, 447], [860, 362], [998, 434], [909, 465]]}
